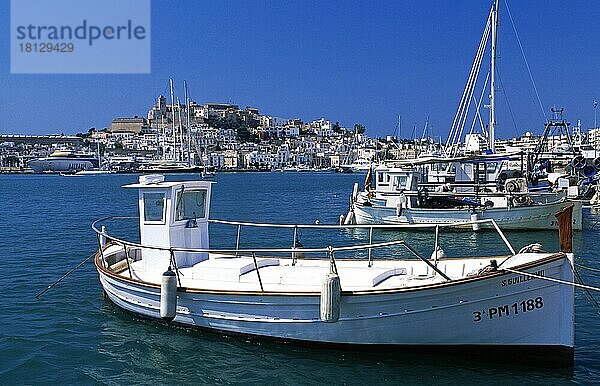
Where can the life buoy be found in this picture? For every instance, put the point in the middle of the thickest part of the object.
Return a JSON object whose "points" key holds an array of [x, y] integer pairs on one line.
{"points": [[520, 200], [588, 171], [511, 186], [578, 162]]}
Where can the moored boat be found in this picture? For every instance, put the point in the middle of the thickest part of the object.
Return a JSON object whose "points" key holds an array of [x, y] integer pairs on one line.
{"points": [[401, 197], [64, 161], [312, 296]]}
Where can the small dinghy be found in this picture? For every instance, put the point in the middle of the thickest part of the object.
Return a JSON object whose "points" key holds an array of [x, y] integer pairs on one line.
{"points": [[522, 300]]}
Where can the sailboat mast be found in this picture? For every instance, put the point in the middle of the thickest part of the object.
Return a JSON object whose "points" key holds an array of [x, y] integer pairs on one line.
{"points": [[163, 134], [173, 120], [99, 156], [491, 135], [187, 123], [180, 150]]}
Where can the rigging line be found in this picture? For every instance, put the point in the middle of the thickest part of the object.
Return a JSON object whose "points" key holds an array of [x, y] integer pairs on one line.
{"points": [[507, 102], [477, 111], [483, 42], [471, 89], [526, 62], [471, 83], [460, 118]]}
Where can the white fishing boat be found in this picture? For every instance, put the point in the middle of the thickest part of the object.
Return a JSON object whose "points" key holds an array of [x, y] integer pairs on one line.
{"points": [[399, 197], [519, 301]]}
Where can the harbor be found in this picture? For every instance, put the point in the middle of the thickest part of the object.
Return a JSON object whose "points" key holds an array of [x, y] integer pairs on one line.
{"points": [[116, 342], [299, 194]]}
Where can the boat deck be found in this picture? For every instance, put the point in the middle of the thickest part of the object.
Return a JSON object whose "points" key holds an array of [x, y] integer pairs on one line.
{"points": [[229, 273]]}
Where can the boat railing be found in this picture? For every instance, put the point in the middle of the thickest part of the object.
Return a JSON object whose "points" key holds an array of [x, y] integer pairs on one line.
{"points": [[298, 251], [476, 224]]}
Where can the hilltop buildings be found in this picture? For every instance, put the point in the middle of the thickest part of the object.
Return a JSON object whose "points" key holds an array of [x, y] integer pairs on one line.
{"points": [[227, 137]]}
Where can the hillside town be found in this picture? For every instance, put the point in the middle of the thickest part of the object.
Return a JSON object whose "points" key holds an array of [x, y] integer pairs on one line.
{"points": [[225, 137]]}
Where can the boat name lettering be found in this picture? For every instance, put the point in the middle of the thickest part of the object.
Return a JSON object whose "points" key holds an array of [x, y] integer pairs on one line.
{"points": [[504, 310], [521, 278]]}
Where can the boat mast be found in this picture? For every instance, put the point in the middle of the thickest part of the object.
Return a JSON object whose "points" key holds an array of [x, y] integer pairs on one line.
{"points": [[173, 120], [163, 135], [187, 124], [99, 156], [180, 150], [491, 133]]}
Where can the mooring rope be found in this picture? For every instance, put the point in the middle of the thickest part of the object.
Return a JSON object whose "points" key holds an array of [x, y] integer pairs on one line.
{"points": [[65, 275], [587, 268], [552, 279], [588, 294], [595, 225]]}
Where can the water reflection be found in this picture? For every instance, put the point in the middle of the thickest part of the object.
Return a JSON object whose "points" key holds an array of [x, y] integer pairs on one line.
{"points": [[155, 352]]}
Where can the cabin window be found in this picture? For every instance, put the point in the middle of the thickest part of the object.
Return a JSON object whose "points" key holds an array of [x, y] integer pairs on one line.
{"points": [[400, 182], [191, 204], [154, 207]]}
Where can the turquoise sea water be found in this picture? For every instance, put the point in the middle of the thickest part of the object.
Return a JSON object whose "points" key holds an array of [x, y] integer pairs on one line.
{"points": [[72, 335]]}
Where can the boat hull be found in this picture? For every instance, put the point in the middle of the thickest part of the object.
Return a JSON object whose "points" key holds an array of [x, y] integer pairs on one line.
{"points": [[58, 165], [500, 309], [539, 217]]}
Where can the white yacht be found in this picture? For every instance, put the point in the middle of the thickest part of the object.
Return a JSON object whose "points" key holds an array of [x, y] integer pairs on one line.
{"points": [[64, 161]]}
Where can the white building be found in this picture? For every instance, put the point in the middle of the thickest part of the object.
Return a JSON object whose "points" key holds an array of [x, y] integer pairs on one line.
{"points": [[261, 158], [594, 137], [322, 127], [217, 160], [283, 156], [269, 121]]}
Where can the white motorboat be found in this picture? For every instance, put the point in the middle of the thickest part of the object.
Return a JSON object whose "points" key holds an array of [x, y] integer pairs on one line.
{"points": [[314, 295]]}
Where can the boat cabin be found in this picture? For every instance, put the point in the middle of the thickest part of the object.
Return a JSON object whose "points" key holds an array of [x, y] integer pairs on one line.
{"points": [[173, 215], [393, 180]]}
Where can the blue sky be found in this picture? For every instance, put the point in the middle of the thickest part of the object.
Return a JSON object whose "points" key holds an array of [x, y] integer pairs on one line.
{"points": [[350, 62]]}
